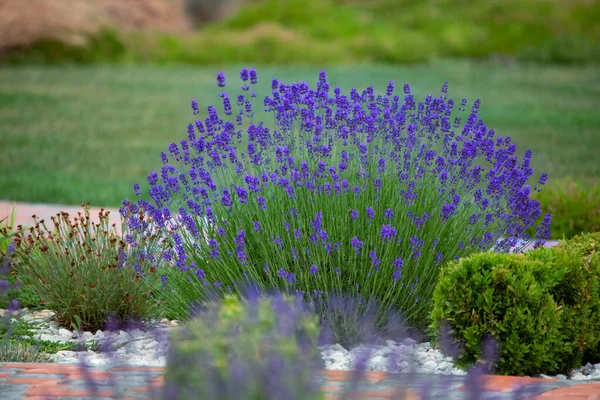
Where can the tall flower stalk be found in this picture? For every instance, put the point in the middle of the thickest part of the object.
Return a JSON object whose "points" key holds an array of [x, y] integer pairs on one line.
{"points": [[359, 194]]}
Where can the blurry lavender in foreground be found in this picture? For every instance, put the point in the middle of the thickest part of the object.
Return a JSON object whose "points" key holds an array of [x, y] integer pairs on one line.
{"points": [[258, 347]]}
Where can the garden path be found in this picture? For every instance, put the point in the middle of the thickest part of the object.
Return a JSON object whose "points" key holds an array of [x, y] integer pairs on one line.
{"points": [[24, 211], [58, 381]]}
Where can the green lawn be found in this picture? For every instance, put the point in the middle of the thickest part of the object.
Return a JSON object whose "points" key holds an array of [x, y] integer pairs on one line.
{"points": [[74, 134]]}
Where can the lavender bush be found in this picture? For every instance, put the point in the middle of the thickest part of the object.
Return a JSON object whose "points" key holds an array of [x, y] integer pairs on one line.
{"points": [[359, 194]]}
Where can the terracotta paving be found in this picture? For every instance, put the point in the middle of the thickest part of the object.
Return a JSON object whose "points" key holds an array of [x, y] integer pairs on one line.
{"points": [[60, 381]]}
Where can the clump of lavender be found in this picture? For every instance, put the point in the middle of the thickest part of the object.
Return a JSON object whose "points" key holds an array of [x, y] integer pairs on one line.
{"points": [[356, 194], [257, 348]]}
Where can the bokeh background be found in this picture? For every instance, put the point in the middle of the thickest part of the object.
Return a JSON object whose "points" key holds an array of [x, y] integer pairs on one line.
{"points": [[91, 91]]}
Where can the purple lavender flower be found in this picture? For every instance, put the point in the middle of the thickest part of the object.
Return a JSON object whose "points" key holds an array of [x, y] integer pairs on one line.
{"points": [[152, 178], [313, 269], [356, 244], [262, 203], [447, 211], [279, 242], [288, 276], [390, 88], [195, 107], [240, 246], [370, 213], [244, 76], [257, 226], [416, 244], [214, 248], [375, 261], [221, 79], [381, 165], [226, 200], [387, 233], [489, 218], [543, 230], [354, 214], [398, 265], [164, 280], [317, 223], [253, 78], [438, 258], [13, 306], [298, 234], [227, 104], [199, 274]]}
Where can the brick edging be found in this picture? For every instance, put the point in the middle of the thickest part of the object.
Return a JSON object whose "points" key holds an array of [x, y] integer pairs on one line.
{"points": [[30, 380]]}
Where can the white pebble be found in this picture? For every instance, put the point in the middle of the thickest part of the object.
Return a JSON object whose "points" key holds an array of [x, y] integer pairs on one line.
{"points": [[578, 376], [429, 366]]}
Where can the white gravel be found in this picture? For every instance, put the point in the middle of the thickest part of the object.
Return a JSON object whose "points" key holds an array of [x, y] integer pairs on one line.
{"points": [[145, 348]]}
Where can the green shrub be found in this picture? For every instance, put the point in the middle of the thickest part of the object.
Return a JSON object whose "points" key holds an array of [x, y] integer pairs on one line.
{"points": [[257, 348], [589, 245], [577, 294], [85, 272], [496, 288], [505, 296], [575, 207]]}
